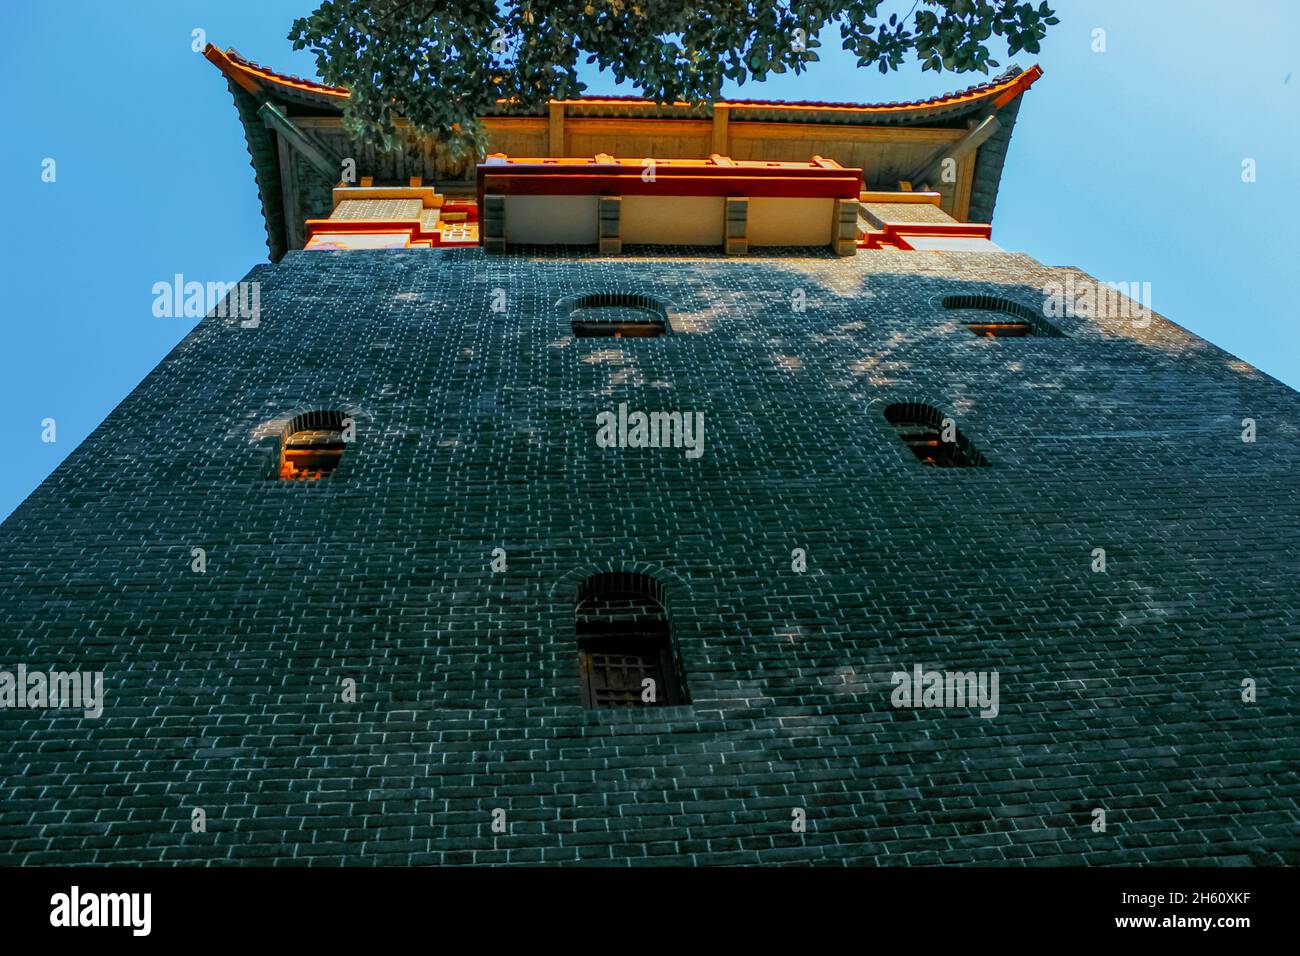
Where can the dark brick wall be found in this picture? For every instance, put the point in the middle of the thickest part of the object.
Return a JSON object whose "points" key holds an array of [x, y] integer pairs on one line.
{"points": [[476, 430]]}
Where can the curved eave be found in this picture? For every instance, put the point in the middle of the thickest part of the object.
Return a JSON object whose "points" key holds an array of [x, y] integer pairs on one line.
{"points": [[252, 76], [996, 93], [266, 169], [989, 162]]}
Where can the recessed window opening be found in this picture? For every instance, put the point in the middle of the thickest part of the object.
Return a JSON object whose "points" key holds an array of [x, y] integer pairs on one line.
{"points": [[617, 315], [934, 439], [313, 446], [1009, 319], [625, 650]]}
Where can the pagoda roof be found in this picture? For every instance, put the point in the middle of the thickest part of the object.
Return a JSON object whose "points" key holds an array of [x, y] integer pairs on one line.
{"points": [[291, 189], [1010, 83]]}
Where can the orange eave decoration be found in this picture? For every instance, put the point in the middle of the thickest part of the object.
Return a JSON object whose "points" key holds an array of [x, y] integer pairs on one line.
{"points": [[416, 235], [1002, 94], [251, 77]]}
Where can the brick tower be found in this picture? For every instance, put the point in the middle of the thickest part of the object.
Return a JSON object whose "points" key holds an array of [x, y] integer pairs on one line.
{"points": [[675, 486]]}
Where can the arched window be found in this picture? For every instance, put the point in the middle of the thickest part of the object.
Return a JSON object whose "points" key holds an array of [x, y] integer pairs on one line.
{"points": [[932, 436], [991, 316], [312, 446], [625, 649], [617, 315]]}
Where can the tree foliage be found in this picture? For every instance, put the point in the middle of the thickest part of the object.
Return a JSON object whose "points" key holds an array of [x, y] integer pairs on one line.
{"points": [[441, 64]]}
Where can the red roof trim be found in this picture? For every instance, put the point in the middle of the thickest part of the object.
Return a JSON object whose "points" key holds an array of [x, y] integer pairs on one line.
{"points": [[245, 71]]}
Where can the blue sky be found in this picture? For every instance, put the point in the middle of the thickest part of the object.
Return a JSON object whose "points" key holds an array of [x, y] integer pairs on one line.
{"points": [[1125, 163]]}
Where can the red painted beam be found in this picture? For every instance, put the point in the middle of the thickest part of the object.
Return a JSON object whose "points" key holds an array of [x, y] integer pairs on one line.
{"points": [[894, 234], [666, 169], [795, 187]]}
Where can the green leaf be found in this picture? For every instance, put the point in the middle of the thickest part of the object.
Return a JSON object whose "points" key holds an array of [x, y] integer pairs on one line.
{"points": [[379, 50]]}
